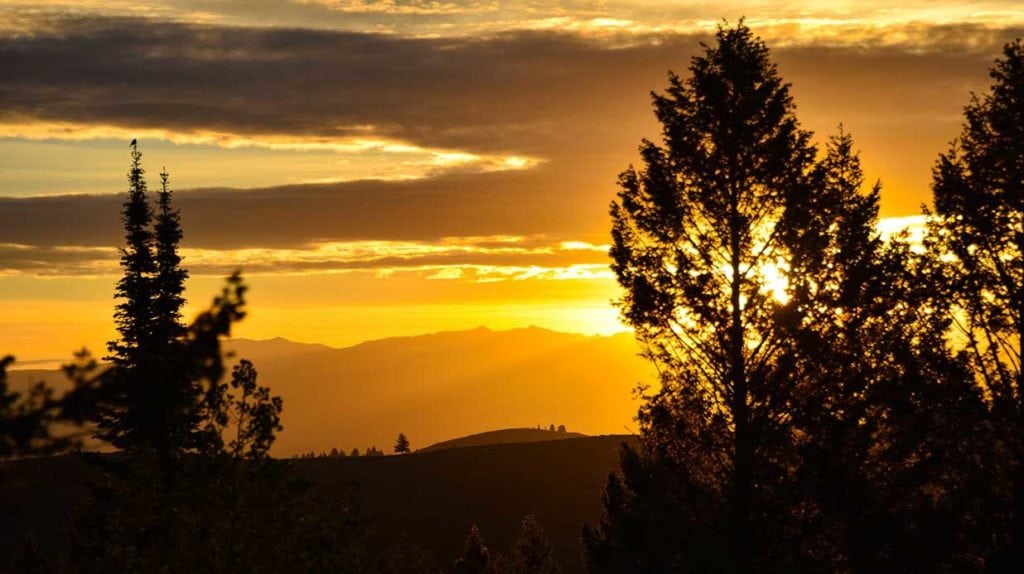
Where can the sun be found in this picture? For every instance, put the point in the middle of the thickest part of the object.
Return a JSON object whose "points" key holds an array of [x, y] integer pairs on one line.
{"points": [[775, 281]]}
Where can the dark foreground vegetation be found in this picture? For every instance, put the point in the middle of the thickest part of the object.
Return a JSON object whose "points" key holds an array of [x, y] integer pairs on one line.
{"points": [[866, 414], [431, 499]]}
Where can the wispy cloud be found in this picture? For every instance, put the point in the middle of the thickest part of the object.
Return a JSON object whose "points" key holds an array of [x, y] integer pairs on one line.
{"points": [[413, 161], [413, 7], [801, 22], [474, 259]]}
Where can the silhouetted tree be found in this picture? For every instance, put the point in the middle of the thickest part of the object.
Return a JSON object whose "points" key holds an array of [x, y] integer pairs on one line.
{"points": [[227, 508], [29, 419], [169, 279], [646, 521], [150, 399], [532, 553], [128, 419], [355, 452], [476, 558], [402, 444], [561, 428], [254, 416], [884, 419], [29, 558], [978, 232], [696, 243], [135, 315], [810, 415]]}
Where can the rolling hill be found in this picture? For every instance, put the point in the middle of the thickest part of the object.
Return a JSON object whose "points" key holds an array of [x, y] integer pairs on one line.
{"points": [[504, 436], [430, 497]]}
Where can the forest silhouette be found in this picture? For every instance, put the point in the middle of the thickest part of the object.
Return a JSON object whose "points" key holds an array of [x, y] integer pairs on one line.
{"points": [[865, 414]]}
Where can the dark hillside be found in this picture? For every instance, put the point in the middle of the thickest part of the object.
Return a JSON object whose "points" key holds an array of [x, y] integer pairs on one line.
{"points": [[432, 497]]}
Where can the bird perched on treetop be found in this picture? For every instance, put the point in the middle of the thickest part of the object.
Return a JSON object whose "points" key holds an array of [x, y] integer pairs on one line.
{"points": [[133, 143]]}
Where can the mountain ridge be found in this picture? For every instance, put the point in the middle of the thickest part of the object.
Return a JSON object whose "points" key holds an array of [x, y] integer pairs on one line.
{"points": [[478, 329], [438, 386]]}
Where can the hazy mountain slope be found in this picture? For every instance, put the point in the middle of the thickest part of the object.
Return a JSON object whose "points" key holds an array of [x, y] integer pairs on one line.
{"points": [[440, 386], [503, 436], [436, 387]]}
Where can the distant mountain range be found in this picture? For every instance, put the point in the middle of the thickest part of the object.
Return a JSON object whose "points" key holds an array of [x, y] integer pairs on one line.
{"points": [[443, 385]]}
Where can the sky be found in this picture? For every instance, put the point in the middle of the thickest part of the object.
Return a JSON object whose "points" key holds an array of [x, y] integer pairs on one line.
{"points": [[393, 167]]}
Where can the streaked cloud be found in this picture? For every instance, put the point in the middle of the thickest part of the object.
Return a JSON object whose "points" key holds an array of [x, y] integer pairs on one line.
{"points": [[520, 203], [415, 7], [477, 259], [399, 107], [405, 160], [799, 22]]}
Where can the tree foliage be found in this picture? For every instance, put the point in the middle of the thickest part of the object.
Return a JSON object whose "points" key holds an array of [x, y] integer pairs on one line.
{"points": [[149, 401], [810, 414], [169, 278], [887, 427], [532, 553], [696, 241], [402, 444], [977, 233], [475, 558], [225, 506], [37, 421]]}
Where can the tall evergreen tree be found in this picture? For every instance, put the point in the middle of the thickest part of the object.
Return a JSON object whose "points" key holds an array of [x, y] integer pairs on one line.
{"points": [[886, 425], [178, 394], [135, 315], [810, 414], [152, 400], [696, 242], [978, 230], [125, 418], [170, 276]]}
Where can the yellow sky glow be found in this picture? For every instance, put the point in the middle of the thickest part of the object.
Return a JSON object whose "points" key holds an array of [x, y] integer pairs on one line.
{"points": [[394, 167]]}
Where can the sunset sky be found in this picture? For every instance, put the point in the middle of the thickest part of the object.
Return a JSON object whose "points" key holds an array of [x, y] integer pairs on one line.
{"points": [[395, 167]]}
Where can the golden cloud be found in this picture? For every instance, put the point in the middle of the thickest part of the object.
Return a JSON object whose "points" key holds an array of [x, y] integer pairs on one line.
{"points": [[416, 161]]}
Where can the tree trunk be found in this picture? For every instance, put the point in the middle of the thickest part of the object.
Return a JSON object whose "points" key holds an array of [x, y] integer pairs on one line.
{"points": [[743, 456]]}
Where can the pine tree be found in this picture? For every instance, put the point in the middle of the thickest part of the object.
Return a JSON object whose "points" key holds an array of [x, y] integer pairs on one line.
{"points": [[978, 231], [170, 276], [532, 553], [884, 418], [135, 315], [158, 399], [695, 240], [476, 558], [815, 422], [402, 444], [125, 419]]}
